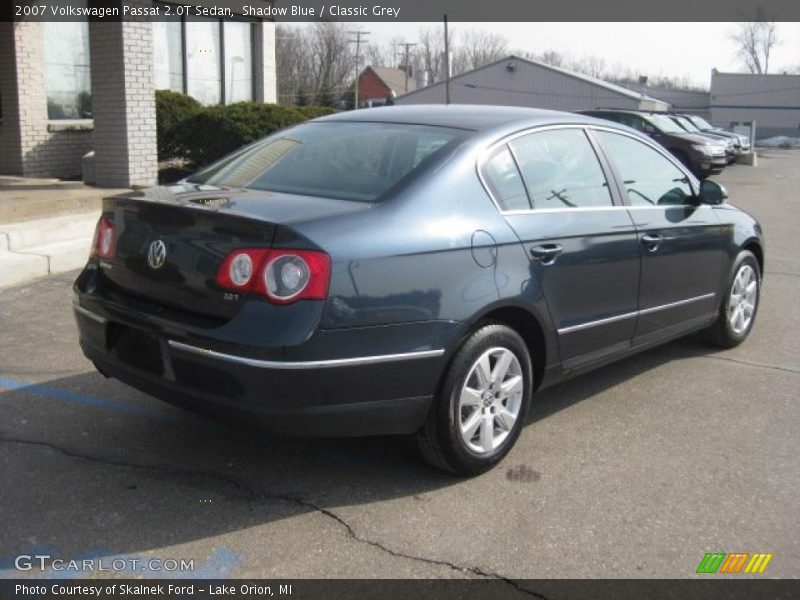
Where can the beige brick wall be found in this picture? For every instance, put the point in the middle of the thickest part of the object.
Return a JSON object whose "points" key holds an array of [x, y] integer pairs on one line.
{"points": [[123, 103], [29, 145]]}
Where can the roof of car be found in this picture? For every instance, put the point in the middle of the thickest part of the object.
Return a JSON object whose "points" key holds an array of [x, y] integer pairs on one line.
{"points": [[464, 116]]}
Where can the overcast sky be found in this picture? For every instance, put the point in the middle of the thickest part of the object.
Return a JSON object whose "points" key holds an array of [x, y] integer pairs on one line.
{"points": [[670, 49]]}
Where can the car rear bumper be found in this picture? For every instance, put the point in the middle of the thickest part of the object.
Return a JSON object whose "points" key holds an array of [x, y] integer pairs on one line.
{"points": [[346, 393]]}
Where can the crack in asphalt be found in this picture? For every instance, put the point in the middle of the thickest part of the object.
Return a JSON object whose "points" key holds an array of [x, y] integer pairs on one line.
{"points": [[750, 364], [251, 492]]}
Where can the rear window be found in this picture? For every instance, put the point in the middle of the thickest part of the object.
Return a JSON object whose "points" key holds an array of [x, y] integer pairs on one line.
{"points": [[350, 161]]}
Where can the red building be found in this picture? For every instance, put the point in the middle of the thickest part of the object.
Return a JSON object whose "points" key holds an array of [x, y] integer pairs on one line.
{"points": [[376, 84]]}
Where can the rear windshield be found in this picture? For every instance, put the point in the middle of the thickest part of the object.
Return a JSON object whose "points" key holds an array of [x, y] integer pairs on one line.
{"points": [[346, 160]]}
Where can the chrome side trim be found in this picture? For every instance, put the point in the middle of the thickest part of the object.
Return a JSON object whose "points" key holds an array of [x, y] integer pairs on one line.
{"points": [[653, 309], [614, 319], [637, 313], [309, 364], [89, 314]]}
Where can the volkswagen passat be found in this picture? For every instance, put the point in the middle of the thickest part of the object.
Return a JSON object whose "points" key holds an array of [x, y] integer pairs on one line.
{"points": [[418, 270]]}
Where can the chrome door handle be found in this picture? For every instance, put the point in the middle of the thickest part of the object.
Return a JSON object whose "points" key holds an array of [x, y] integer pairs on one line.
{"points": [[651, 241], [546, 252]]}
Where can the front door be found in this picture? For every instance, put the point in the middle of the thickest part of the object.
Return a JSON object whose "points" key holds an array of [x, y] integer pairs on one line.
{"points": [[681, 241], [582, 247]]}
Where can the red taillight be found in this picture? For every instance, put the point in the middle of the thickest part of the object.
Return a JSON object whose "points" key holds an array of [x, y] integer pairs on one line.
{"points": [[103, 245], [281, 276]]}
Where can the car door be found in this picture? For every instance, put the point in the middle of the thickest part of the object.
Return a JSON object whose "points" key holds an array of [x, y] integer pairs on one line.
{"points": [[554, 193], [681, 241]]}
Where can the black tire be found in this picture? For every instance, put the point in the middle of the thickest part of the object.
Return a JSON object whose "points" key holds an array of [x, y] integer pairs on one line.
{"points": [[721, 332], [439, 440]]}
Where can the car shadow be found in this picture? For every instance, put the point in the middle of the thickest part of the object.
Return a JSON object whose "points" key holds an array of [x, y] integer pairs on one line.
{"points": [[91, 468]]}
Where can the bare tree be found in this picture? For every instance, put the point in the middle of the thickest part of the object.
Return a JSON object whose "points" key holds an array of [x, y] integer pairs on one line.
{"points": [[593, 66], [292, 63], [552, 58], [475, 48], [428, 53], [755, 41]]}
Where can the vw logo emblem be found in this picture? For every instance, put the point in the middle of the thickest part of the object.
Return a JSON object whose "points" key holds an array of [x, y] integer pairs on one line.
{"points": [[156, 254]]}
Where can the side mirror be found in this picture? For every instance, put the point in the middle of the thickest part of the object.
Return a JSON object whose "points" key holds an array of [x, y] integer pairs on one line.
{"points": [[712, 193]]}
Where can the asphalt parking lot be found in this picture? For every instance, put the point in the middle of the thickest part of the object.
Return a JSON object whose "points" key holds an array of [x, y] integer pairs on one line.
{"points": [[635, 470]]}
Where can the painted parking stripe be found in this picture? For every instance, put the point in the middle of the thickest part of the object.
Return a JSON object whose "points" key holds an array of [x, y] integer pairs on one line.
{"points": [[44, 391]]}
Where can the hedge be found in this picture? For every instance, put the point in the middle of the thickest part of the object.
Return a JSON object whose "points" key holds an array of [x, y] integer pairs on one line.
{"points": [[202, 134], [172, 109]]}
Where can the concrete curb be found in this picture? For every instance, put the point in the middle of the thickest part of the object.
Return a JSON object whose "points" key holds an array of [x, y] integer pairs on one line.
{"points": [[35, 249]]}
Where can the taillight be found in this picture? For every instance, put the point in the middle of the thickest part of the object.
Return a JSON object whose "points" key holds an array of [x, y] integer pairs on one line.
{"points": [[239, 268], [103, 245], [281, 276]]}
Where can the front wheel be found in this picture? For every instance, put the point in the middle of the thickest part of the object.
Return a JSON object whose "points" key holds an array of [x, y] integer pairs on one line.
{"points": [[737, 312], [478, 413]]}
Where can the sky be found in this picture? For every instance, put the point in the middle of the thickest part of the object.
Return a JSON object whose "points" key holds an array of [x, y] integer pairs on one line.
{"points": [[688, 50]]}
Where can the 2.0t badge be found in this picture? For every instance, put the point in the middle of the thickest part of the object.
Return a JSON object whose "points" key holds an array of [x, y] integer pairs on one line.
{"points": [[156, 254]]}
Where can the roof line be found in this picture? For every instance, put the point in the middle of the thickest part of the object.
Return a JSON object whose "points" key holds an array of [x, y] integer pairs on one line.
{"points": [[579, 76]]}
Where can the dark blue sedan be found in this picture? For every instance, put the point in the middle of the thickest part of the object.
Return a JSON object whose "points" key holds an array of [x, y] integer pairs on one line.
{"points": [[419, 270]]}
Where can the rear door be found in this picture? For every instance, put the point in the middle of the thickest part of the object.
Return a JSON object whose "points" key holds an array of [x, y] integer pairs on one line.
{"points": [[681, 242], [582, 247]]}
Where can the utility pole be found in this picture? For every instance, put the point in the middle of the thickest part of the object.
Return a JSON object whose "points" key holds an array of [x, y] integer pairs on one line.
{"points": [[406, 46], [357, 41], [446, 63]]}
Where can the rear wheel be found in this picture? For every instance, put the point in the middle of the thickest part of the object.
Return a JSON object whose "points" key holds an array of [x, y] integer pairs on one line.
{"points": [[480, 409], [737, 312]]}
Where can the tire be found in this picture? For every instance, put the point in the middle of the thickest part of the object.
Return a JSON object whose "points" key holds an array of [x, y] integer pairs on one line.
{"points": [[466, 395], [730, 330]]}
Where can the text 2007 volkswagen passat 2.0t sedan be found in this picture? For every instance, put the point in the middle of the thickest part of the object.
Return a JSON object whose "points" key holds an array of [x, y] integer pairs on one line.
{"points": [[417, 270]]}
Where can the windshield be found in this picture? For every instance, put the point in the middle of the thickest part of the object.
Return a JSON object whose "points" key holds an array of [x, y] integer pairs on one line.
{"points": [[665, 124], [687, 124], [701, 122], [344, 160]]}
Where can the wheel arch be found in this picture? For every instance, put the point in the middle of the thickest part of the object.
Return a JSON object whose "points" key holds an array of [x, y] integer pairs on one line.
{"points": [[755, 247], [528, 326]]}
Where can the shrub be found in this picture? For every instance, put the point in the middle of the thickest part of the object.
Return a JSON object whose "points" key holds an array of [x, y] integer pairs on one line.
{"points": [[172, 109], [215, 131], [312, 112]]}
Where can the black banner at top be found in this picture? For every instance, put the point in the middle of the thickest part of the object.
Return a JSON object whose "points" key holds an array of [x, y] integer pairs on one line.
{"points": [[410, 10]]}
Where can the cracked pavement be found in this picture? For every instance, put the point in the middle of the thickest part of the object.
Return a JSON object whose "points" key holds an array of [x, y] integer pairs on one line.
{"points": [[635, 470]]}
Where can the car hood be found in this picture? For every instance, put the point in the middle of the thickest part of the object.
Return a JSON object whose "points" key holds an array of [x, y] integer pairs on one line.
{"points": [[701, 139], [275, 207]]}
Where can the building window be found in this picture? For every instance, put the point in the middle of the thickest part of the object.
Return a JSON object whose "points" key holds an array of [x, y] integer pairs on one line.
{"points": [[208, 59], [238, 61], [168, 54], [66, 70], [203, 76]]}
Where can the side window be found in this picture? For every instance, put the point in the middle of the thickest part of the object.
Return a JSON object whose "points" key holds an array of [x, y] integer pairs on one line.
{"points": [[504, 181], [561, 170], [650, 179]]}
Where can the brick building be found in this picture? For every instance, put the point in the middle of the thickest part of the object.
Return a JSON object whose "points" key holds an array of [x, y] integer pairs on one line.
{"points": [[70, 87], [376, 84]]}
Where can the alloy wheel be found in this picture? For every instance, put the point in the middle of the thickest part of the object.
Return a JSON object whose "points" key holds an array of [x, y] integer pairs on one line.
{"points": [[742, 300], [490, 400]]}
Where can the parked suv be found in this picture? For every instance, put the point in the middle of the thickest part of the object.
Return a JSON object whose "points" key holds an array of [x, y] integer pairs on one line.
{"points": [[698, 153], [740, 141], [686, 124]]}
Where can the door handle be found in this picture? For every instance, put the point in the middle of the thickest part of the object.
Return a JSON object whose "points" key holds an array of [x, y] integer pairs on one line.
{"points": [[652, 240], [546, 252]]}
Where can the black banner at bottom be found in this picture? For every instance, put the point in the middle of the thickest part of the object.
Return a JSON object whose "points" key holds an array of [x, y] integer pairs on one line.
{"points": [[358, 589]]}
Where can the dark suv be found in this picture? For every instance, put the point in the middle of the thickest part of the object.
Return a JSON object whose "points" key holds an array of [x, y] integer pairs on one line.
{"points": [[701, 154]]}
